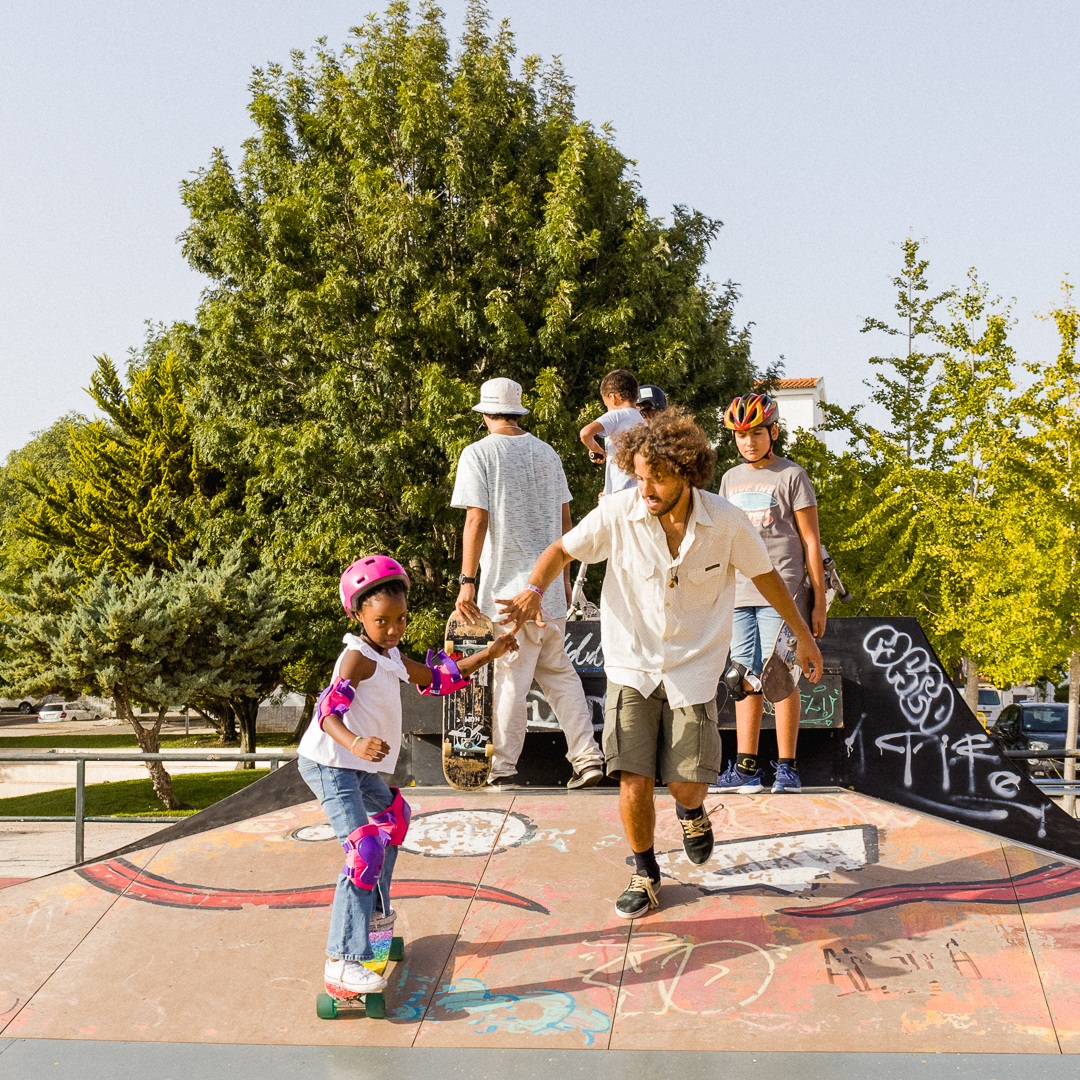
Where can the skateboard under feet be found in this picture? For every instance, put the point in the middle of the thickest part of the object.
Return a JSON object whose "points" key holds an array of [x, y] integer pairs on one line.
{"points": [[337, 998]]}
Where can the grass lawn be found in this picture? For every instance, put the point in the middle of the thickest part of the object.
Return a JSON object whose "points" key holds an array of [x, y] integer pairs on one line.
{"points": [[277, 740], [134, 798]]}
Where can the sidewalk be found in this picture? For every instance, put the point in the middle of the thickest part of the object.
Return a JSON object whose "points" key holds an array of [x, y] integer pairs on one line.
{"points": [[40, 774], [29, 849]]}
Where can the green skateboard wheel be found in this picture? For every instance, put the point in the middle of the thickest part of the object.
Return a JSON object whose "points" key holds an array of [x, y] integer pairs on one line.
{"points": [[397, 948], [326, 1007], [375, 1004]]}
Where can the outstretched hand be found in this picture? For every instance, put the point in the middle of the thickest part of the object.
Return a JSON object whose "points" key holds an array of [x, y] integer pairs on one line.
{"points": [[523, 608], [503, 644]]}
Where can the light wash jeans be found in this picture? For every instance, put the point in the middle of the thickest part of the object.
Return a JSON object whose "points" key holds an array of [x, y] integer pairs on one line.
{"points": [[348, 796]]}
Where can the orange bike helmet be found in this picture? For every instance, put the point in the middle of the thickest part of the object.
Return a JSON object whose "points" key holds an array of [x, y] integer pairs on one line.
{"points": [[754, 410]]}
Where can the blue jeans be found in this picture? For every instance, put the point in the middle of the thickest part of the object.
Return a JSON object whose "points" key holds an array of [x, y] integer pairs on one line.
{"points": [[753, 634], [348, 796]]}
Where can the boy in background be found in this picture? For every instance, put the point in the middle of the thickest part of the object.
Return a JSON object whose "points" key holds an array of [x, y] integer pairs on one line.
{"points": [[777, 497], [619, 393]]}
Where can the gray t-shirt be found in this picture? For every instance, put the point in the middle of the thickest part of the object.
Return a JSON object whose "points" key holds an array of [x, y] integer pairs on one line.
{"points": [[614, 421], [519, 481], [769, 497]]}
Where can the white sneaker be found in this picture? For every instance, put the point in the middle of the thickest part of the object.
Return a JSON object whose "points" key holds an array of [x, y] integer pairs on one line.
{"points": [[352, 976], [382, 921]]}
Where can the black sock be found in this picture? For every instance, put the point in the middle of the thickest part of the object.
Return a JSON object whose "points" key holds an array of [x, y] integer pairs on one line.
{"points": [[786, 761], [646, 864], [682, 812], [746, 764]]}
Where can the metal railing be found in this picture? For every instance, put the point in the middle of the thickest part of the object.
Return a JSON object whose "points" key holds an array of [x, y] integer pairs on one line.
{"points": [[32, 757]]}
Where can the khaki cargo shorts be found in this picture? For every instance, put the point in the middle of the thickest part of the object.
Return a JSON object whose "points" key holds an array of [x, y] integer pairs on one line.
{"points": [[638, 729]]}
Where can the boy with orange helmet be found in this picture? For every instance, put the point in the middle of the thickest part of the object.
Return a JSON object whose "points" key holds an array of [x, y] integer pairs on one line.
{"points": [[777, 496]]}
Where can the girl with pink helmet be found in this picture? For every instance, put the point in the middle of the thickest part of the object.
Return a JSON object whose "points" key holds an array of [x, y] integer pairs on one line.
{"points": [[354, 736]]}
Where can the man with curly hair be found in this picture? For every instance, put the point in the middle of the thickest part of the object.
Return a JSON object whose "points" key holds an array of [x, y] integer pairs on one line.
{"points": [[672, 549]]}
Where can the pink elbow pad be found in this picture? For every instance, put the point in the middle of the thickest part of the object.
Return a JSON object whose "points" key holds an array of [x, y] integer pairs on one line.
{"points": [[445, 677], [334, 700]]}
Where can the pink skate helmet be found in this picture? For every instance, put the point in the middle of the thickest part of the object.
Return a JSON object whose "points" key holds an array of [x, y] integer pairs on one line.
{"points": [[363, 575]]}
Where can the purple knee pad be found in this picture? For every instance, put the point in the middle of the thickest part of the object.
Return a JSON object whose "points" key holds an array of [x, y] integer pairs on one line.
{"points": [[394, 820], [365, 850], [445, 677]]}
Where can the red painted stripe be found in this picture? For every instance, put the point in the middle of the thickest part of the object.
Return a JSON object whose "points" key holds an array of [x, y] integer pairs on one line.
{"points": [[1046, 884], [121, 877]]}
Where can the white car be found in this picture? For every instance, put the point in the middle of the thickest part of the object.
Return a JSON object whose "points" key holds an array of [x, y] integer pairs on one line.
{"points": [[66, 710]]}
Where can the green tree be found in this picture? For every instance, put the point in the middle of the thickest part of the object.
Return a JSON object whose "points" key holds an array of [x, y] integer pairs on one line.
{"points": [[405, 224], [47, 454], [212, 634], [928, 536], [128, 500], [1044, 517], [239, 640]]}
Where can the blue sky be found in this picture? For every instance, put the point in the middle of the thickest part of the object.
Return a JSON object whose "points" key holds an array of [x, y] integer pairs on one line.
{"points": [[819, 133]]}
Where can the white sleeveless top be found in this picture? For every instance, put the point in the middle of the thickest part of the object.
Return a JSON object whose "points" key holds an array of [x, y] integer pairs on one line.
{"points": [[375, 710]]}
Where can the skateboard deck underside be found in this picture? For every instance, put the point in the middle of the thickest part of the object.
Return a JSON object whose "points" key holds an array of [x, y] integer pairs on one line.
{"points": [[467, 713]]}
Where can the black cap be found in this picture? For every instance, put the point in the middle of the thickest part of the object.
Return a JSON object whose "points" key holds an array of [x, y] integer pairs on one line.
{"points": [[652, 397]]}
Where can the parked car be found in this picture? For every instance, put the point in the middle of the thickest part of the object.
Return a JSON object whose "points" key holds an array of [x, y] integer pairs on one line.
{"points": [[990, 705], [67, 710], [23, 705], [1033, 726]]}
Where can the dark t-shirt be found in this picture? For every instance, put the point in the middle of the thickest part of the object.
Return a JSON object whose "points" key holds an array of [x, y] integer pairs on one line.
{"points": [[769, 497]]}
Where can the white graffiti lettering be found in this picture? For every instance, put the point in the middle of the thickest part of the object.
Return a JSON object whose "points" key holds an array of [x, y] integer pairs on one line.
{"points": [[925, 696]]}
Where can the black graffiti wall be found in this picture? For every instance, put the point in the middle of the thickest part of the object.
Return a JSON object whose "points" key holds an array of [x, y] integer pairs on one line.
{"points": [[909, 738]]}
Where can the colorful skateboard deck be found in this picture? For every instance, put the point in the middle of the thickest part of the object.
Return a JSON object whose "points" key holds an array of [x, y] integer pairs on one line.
{"points": [[386, 948], [467, 746]]}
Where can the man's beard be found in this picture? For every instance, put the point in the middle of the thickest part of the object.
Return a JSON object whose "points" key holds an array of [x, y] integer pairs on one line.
{"points": [[665, 507]]}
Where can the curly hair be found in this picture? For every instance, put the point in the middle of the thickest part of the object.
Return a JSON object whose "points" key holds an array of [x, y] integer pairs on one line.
{"points": [[674, 441]]}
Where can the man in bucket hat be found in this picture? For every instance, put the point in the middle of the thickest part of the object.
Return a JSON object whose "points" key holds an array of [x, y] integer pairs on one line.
{"points": [[517, 502]]}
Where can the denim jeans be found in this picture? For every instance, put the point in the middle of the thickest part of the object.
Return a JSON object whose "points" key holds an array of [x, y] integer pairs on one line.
{"points": [[348, 796], [753, 635]]}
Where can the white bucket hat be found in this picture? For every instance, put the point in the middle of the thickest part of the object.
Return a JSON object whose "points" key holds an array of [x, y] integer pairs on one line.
{"points": [[500, 396]]}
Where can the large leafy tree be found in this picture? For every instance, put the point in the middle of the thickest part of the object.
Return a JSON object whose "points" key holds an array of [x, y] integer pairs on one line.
{"points": [[211, 635], [406, 223], [921, 497], [130, 496], [47, 453]]}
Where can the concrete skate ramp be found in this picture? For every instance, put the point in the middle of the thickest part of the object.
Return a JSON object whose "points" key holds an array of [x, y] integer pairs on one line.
{"points": [[885, 722], [822, 922]]}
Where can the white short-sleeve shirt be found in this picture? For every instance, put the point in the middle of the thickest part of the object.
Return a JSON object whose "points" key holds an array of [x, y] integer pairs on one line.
{"points": [[519, 481], [375, 710], [667, 620]]}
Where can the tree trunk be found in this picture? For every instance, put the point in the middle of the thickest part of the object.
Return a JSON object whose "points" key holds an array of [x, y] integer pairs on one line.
{"points": [[247, 713], [220, 717], [971, 685], [305, 718], [150, 743], [1069, 802]]}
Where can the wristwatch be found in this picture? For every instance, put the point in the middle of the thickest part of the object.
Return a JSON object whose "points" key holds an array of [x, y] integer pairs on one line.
{"points": [[462, 579]]}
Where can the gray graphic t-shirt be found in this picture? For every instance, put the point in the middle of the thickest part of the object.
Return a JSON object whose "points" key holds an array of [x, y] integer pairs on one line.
{"points": [[769, 497], [519, 481]]}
